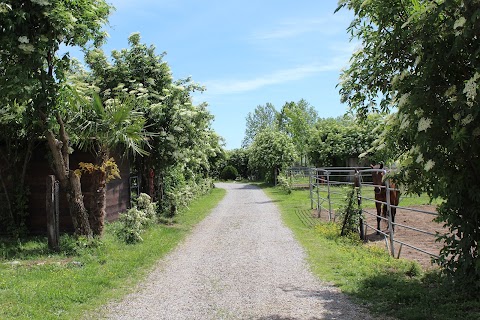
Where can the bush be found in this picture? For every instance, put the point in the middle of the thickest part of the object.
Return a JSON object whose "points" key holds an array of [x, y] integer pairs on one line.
{"points": [[137, 219], [349, 213], [145, 204], [284, 183], [181, 195], [229, 173]]}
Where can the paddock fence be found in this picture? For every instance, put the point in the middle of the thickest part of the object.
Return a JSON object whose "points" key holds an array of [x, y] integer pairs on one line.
{"points": [[327, 192]]}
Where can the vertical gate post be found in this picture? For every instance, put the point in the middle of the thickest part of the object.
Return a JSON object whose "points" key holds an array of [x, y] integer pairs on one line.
{"points": [[359, 203], [389, 214], [52, 206], [310, 176], [329, 196]]}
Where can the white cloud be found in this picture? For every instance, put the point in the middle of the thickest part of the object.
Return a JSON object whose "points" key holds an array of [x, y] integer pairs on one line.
{"points": [[282, 76], [330, 25]]}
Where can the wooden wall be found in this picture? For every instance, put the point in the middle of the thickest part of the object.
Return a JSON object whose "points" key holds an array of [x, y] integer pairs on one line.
{"points": [[118, 193]]}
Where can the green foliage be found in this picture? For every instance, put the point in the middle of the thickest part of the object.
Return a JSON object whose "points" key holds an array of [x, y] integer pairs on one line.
{"points": [[349, 213], [421, 57], [132, 222], [263, 118], [298, 121], [145, 204], [184, 142], [284, 183], [270, 151], [229, 173], [181, 189], [33, 75], [334, 141], [137, 219], [238, 158]]}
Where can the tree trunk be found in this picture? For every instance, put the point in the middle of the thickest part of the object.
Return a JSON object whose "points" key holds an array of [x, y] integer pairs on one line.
{"points": [[76, 205], [69, 181], [99, 186]]}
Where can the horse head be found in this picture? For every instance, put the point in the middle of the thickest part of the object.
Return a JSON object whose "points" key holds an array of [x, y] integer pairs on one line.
{"points": [[377, 177]]}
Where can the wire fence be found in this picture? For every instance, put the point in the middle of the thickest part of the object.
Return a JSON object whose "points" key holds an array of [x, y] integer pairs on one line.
{"points": [[327, 190]]}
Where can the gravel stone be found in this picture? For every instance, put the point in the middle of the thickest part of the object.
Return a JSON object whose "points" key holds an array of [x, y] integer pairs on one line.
{"points": [[240, 262]]}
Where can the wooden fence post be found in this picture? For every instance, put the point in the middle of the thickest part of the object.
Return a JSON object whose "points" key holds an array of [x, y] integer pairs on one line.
{"points": [[52, 206]]}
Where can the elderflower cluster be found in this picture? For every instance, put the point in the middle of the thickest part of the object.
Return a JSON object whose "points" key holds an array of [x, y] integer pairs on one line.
{"points": [[41, 2], [25, 44], [429, 165], [420, 158], [424, 124], [470, 89], [467, 119], [403, 100]]}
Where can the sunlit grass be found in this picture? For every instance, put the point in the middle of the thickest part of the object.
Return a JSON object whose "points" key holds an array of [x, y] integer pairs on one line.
{"points": [[35, 284], [397, 288]]}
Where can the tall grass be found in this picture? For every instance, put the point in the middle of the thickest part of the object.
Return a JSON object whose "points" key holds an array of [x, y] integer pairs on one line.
{"points": [[35, 284], [387, 286]]}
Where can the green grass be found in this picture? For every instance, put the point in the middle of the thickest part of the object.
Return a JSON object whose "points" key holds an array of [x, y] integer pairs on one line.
{"points": [[35, 284], [387, 286]]}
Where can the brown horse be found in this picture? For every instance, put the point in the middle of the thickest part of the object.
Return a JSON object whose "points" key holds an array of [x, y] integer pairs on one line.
{"points": [[381, 195]]}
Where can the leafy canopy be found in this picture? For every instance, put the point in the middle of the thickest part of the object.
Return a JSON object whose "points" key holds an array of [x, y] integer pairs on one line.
{"points": [[423, 58]]}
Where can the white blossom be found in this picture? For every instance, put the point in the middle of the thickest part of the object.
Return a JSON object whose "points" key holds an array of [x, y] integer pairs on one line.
{"points": [[27, 48], [429, 165], [470, 89], [459, 23], [420, 158], [467, 119], [23, 39], [456, 116], [405, 123], [424, 124], [41, 2], [403, 99]]}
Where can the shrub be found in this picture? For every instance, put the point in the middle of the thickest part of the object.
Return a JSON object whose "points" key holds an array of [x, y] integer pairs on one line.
{"points": [[284, 183], [229, 173], [137, 219], [349, 213], [145, 204]]}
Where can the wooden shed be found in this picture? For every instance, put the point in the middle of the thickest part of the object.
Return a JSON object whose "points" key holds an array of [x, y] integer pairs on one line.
{"points": [[118, 190]]}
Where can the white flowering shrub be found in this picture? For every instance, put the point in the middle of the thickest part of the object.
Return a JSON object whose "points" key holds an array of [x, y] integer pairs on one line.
{"points": [[132, 224], [137, 219], [145, 204]]}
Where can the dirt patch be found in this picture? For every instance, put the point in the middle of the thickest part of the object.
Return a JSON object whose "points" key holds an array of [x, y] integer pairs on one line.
{"points": [[418, 220]]}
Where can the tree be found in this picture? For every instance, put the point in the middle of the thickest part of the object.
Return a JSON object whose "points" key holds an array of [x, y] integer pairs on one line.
{"points": [[298, 120], [270, 153], [33, 73], [238, 158], [263, 117], [17, 143], [185, 144], [335, 140], [118, 125], [423, 58]]}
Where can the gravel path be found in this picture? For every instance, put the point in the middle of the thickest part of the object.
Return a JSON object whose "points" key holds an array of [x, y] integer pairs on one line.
{"points": [[241, 262]]}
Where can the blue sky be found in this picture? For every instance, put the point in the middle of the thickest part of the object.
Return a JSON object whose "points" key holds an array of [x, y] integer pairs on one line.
{"points": [[246, 53]]}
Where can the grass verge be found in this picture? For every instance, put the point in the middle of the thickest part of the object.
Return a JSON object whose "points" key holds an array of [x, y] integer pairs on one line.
{"points": [[35, 284], [387, 286]]}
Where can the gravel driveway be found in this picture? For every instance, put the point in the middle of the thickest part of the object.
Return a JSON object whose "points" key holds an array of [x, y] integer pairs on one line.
{"points": [[241, 262]]}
